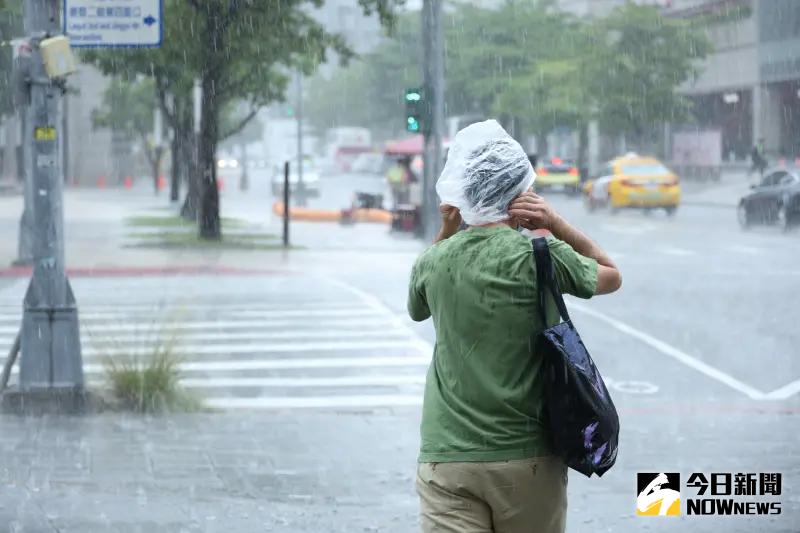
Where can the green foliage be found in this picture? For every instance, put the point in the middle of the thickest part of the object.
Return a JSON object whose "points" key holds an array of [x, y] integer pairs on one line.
{"points": [[150, 384], [369, 91], [127, 107], [639, 58], [526, 61]]}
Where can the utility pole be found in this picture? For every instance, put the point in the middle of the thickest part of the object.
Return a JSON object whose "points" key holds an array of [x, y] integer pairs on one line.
{"points": [[301, 192], [22, 54], [433, 76], [51, 371]]}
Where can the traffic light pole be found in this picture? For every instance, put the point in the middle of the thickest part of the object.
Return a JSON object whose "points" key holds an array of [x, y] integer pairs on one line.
{"points": [[51, 371], [433, 75]]}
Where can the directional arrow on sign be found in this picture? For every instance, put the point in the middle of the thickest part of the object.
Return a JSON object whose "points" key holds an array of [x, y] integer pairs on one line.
{"points": [[149, 20]]}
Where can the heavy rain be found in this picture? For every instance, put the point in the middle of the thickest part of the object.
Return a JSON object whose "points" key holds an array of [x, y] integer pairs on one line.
{"points": [[298, 266]]}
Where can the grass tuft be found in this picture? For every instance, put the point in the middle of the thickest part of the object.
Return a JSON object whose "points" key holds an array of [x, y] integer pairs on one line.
{"points": [[150, 384]]}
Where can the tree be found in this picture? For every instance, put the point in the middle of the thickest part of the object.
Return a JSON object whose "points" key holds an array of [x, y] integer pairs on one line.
{"points": [[369, 91], [638, 60], [128, 107], [237, 50]]}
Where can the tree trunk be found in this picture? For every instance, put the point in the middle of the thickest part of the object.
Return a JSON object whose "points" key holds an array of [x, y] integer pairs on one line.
{"points": [[188, 162], [209, 220], [175, 173]]}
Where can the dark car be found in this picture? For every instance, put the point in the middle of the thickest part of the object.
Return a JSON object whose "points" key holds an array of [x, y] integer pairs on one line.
{"points": [[774, 201]]}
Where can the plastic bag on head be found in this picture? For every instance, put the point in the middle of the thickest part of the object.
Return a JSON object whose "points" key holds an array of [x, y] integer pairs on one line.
{"points": [[485, 170]]}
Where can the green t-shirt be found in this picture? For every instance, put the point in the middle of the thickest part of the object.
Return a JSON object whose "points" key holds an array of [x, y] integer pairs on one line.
{"points": [[483, 392]]}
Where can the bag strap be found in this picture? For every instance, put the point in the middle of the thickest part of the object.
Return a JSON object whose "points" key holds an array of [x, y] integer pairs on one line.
{"points": [[546, 278]]}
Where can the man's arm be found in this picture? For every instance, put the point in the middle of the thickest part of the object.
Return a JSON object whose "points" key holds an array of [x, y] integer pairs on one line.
{"points": [[532, 212]]}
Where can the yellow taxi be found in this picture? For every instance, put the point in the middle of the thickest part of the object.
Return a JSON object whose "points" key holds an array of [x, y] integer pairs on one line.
{"points": [[634, 181], [558, 174]]}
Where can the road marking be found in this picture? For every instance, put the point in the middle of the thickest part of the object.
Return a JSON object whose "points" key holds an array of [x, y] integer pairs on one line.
{"points": [[784, 392], [333, 401], [673, 352], [285, 364], [742, 249], [91, 327], [633, 229], [183, 350], [285, 313], [379, 307], [670, 250], [295, 382], [205, 336], [631, 386]]}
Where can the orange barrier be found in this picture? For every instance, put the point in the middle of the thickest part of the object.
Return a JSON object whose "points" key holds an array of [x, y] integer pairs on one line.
{"points": [[161, 183], [220, 184], [128, 183], [101, 182], [330, 215]]}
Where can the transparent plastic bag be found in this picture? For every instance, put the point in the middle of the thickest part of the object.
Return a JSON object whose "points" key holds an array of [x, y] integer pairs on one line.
{"points": [[485, 170]]}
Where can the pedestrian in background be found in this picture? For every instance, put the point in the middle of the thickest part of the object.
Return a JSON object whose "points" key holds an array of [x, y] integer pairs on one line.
{"points": [[399, 177], [759, 161], [486, 462]]}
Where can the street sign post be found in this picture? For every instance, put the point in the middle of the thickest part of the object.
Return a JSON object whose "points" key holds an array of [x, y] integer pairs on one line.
{"points": [[118, 24]]}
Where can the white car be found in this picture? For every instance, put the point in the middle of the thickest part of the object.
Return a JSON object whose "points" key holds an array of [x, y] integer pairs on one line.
{"points": [[310, 179]]}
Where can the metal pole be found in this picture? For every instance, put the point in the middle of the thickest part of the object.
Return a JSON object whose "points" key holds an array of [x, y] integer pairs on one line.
{"points": [[50, 365], [301, 193], [286, 204], [433, 74]]}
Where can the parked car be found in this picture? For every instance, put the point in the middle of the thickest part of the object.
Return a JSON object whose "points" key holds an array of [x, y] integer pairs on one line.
{"points": [[774, 201], [558, 174], [634, 181], [310, 179]]}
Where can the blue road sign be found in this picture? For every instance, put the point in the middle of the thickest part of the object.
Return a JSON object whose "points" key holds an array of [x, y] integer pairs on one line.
{"points": [[114, 23]]}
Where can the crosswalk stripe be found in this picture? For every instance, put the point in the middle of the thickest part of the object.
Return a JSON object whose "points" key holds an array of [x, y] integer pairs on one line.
{"points": [[743, 249], [92, 327], [250, 336], [285, 364], [301, 382], [300, 313], [377, 400], [669, 250], [253, 348]]}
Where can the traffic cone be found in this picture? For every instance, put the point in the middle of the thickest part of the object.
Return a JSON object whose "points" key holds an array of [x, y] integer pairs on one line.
{"points": [[161, 183], [220, 184], [128, 182], [101, 182]]}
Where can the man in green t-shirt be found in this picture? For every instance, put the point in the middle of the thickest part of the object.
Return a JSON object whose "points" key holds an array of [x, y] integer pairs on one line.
{"points": [[486, 463]]}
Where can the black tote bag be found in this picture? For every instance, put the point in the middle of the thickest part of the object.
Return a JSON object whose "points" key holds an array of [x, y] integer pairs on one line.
{"points": [[583, 420]]}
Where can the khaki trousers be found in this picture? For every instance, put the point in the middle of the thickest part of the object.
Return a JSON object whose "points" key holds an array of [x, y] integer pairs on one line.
{"points": [[525, 496]]}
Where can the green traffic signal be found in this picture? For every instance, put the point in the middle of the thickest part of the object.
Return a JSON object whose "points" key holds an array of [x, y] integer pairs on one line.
{"points": [[412, 124], [414, 109]]}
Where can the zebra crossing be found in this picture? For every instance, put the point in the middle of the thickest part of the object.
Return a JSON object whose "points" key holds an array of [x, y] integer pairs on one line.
{"points": [[250, 343]]}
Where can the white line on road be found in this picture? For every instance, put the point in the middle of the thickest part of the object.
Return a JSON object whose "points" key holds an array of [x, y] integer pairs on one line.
{"points": [[379, 307], [379, 400], [121, 314], [673, 352], [286, 364], [297, 382], [671, 250], [254, 348], [784, 392], [742, 249], [242, 336], [167, 327]]}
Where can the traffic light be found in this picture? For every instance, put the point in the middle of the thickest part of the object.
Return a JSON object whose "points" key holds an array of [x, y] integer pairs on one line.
{"points": [[414, 110]]}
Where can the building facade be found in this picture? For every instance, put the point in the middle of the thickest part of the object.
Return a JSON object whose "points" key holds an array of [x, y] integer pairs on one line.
{"points": [[749, 87]]}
